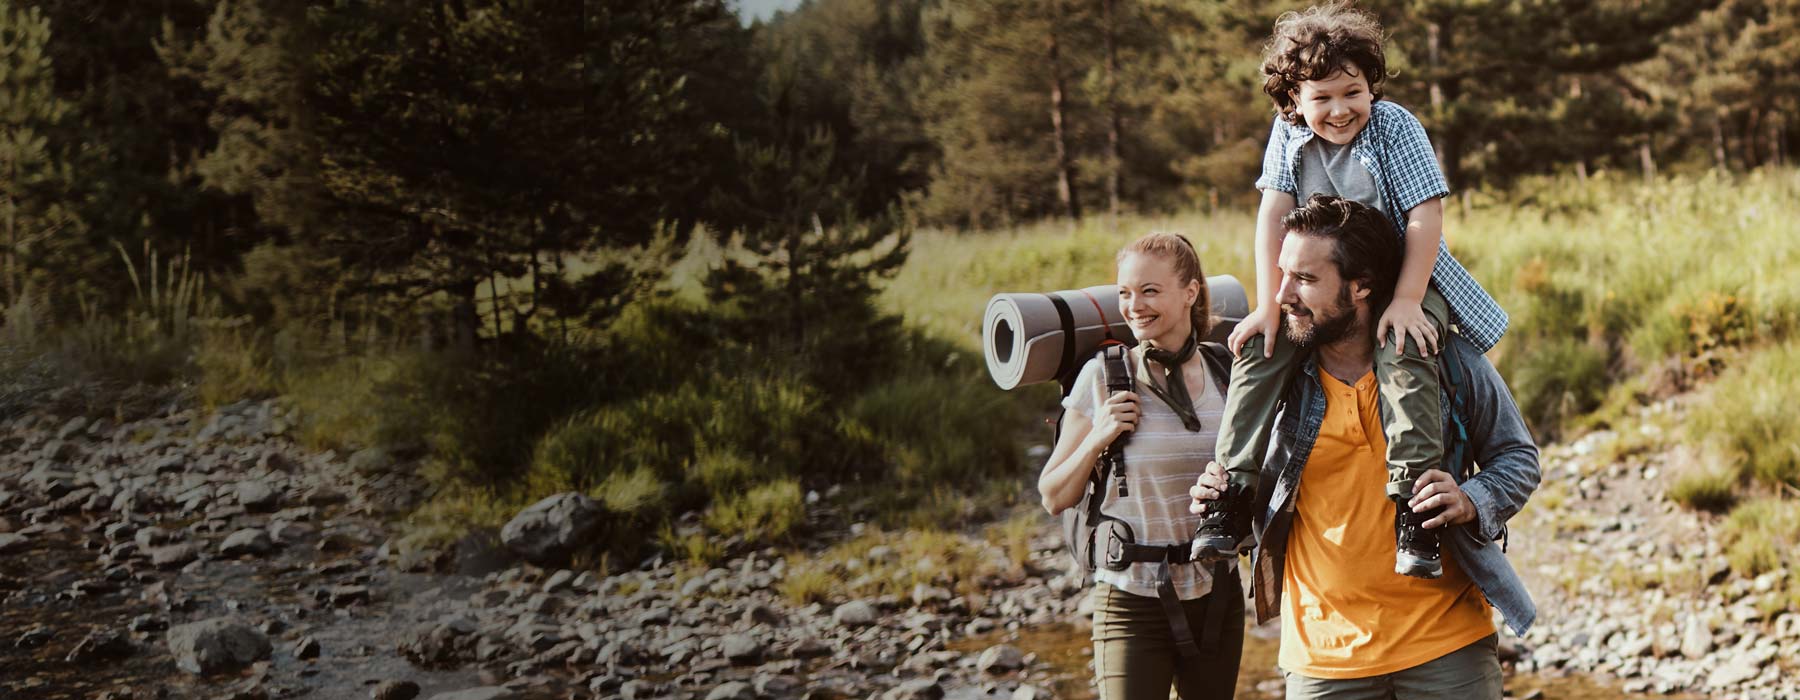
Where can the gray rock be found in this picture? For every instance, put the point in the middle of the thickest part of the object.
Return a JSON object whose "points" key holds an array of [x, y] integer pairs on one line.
{"points": [[1000, 659], [440, 645], [734, 690], [923, 594], [173, 556], [916, 689], [1740, 668], [558, 580], [395, 690], [71, 428], [347, 595], [218, 644], [774, 686], [34, 637], [101, 645], [153, 536], [13, 542], [635, 690], [1696, 638], [809, 648], [1030, 692], [855, 613], [549, 531], [308, 648], [371, 461], [249, 541], [741, 649], [488, 693], [759, 614], [257, 495]]}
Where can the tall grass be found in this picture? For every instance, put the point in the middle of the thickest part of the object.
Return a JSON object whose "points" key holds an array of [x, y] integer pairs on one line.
{"points": [[147, 342], [1749, 418], [949, 276], [1611, 278]]}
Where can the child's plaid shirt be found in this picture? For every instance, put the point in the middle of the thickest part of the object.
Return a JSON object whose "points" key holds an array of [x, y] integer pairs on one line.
{"points": [[1398, 154]]}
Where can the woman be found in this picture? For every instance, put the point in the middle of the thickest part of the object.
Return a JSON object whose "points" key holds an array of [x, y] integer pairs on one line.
{"points": [[1138, 651]]}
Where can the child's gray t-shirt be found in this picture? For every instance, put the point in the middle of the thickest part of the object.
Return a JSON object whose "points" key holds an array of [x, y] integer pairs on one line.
{"points": [[1329, 168]]}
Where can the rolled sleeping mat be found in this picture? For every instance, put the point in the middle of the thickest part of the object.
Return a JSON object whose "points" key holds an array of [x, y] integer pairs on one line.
{"points": [[1040, 337]]}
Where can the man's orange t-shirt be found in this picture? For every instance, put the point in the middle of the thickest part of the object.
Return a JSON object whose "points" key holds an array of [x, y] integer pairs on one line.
{"points": [[1348, 614]]}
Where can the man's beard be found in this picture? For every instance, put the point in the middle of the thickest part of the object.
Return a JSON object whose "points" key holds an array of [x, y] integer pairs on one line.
{"points": [[1325, 329]]}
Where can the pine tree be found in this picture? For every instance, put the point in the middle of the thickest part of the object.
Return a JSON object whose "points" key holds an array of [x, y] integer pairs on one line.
{"points": [[1008, 110], [1496, 82], [35, 177], [130, 140]]}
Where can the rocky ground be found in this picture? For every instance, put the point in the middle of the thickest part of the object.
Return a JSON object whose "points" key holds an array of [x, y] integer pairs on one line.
{"points": [[1632, 587], [183, 555]]}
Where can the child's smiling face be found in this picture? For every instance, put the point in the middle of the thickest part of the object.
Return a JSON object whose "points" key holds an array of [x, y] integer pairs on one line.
{"points": [[1337, 107]]}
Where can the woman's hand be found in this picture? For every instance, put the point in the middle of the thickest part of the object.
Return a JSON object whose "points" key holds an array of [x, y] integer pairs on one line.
{"points": [[1118, 416], [1264, 321], [1407, 317]]}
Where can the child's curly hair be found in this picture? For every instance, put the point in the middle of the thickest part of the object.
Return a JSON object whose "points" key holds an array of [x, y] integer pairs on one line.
{"points": [[1317, 43]]}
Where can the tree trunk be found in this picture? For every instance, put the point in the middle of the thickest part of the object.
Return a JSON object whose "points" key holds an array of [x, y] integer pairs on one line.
{"points": [[1776, 126], [1647, 159], [463, 318], [1749, 144], [1446, 141], [12, 233], [1718, 130], [1065, 164], [1113, 161]]}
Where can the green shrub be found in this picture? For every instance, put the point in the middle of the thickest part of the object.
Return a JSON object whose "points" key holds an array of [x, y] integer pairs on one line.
{"points": [[1706, 489], [1556, 380], [1761, 535], [637, 492], [234, 364], [1748, 415], [766, 513]]}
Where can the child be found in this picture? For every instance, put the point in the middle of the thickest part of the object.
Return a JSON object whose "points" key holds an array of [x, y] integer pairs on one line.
{"points": [[1333, 134]]}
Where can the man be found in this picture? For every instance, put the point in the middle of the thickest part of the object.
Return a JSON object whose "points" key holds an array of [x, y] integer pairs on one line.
{"points": [[1351, 627]]}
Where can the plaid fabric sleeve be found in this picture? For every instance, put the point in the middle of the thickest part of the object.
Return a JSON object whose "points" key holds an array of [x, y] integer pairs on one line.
{"points": [[1412, 176], [1278, 166], [1410, 163]]}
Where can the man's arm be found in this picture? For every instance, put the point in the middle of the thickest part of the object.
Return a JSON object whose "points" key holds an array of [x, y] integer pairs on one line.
{"points": [[1502, 445]]}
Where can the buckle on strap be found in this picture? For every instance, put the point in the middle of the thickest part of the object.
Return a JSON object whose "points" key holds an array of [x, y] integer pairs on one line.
{"points": [[1124, 553]]}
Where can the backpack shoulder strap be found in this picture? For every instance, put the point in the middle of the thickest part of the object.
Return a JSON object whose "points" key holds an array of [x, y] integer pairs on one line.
{"points": [[1218, 364], [1455, 383]]}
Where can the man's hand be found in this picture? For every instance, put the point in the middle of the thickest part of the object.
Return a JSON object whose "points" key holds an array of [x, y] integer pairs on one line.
{"points": [[1436, 488], [1406, 317], [1208, 487]]}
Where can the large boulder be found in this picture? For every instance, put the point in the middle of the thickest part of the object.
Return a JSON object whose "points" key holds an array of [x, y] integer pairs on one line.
{"points": [[549, 531], [218, 644]]}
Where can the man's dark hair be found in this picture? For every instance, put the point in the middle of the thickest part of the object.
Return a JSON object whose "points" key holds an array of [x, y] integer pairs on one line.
{"points": [[1363, 245]]}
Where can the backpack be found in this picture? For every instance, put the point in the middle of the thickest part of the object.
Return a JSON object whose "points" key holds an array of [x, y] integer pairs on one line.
{"points": [[1080, 522]]}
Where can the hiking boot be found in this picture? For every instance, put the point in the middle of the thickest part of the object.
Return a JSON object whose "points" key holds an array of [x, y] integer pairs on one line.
{"points": [[1224, 527], [1416, 550]]}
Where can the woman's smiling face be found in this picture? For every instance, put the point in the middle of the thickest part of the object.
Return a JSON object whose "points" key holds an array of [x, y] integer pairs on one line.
{"points": [[1336, 108], [1154, 301]]}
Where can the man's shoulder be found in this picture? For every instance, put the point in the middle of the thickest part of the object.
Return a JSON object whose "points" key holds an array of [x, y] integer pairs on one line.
{"points": [[1478, 374]]}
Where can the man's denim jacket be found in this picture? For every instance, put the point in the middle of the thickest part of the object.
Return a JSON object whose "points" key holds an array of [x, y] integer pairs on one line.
{"points": [[1498, 442]]}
